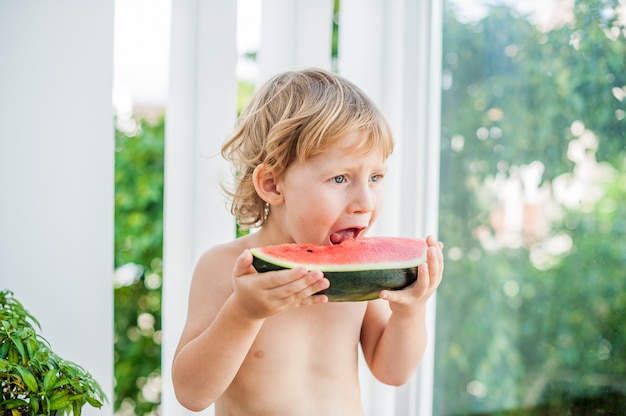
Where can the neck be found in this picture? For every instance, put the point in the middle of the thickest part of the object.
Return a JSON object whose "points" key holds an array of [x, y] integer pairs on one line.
{"points": [[271, 233]]}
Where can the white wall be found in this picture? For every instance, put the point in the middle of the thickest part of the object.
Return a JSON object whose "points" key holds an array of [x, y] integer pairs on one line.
{"points": [[56, 174]]}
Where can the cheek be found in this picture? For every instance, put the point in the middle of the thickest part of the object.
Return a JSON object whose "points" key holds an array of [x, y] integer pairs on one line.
{"points": [[313, 208], [379, 198], [378, 191], [301, 203]]}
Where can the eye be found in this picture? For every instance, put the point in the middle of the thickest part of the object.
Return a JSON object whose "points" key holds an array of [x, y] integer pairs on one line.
{"points": [[338, 179], [376, 178]]}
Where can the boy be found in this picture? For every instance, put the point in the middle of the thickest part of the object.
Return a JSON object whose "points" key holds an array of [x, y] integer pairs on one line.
{"points": [[309, 153]]}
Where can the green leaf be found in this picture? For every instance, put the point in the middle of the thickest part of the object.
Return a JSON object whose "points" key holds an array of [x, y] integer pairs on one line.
{"points": [[13, 404], [49, 380], [60, 402], [18, 345], [4, 348], [4, 365], [77, 407], [59, 394], [28, 378], [34, 404], [13, 356], [77, 397], [61, 383], [93, 402], [31, 346]]}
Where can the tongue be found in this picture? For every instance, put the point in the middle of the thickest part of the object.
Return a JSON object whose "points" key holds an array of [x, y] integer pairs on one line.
{"points": [[339, 236]]}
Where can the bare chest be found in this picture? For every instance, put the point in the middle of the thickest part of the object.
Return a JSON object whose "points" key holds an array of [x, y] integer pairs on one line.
{"points": [[319, 338], [308, 331], [305, 354]]}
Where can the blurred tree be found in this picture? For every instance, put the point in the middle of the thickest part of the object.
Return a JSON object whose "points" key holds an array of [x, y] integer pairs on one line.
{"points": [[530, 318], [138, 253], [139, 179]]}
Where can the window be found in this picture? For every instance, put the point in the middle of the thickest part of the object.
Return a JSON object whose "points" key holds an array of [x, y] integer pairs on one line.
{"points": [[530, 317]]}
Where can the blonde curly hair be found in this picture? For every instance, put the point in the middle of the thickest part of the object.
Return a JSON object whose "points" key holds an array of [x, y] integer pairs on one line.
{"points": [[294, 116]]}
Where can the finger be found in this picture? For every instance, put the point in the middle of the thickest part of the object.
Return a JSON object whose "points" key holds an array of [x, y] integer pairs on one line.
{"points": [[304, 287], [431, 241], [423, 276], [439, 251], [315, 300], [396, 296], [435, 265], [433, 261]]}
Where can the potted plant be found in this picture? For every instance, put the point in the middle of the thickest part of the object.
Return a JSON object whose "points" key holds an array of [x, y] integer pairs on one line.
{"points": [[33, 379]]}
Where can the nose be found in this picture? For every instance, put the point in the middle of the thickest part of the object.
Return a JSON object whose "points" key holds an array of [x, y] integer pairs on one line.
{"points": [[363, 199]]}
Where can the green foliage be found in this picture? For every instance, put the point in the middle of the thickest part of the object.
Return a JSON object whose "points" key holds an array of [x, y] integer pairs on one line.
{"points": [[245, 92], [334, 51], [516, 335], [139, 179], [139, 163], [139, 194], [33, 379]]}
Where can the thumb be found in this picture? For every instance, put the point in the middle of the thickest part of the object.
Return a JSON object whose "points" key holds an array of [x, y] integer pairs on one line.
{"points": [[391, 295], [243, 264]]}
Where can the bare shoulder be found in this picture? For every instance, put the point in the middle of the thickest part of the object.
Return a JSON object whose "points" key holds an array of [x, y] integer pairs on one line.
{"points": [[212, 276], [211, 285], [232, 248], [217, 260]]}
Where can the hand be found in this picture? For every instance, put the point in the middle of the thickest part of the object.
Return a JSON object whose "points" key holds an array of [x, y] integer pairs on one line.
{"points": [[261, 295], [429, 277]]}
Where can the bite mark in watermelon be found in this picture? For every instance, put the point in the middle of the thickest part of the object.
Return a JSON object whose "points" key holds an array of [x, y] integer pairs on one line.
{"points": [[358, 269]]}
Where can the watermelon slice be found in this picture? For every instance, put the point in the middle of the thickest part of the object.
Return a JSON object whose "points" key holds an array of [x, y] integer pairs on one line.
{"points": [[358, 269]]}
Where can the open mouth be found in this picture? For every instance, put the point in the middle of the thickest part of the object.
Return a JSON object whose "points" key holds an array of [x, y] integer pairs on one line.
{"points": [[338, 236]]}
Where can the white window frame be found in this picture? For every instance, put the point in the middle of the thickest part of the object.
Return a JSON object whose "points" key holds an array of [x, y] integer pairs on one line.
{"points": [[392, 49]]}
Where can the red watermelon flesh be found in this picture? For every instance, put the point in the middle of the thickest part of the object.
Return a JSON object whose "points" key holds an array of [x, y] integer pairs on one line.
{"points": [[358, 269], [365, 253]]}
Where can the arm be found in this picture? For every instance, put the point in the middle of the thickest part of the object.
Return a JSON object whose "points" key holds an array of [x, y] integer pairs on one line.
{"points": [[394, 335], [226, 312]]}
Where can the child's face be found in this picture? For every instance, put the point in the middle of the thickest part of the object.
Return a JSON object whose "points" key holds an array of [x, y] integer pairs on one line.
{"points": [[332, 196]]}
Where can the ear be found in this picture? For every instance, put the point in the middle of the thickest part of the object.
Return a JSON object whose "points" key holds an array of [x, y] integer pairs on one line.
{"points": [[265, 185]]}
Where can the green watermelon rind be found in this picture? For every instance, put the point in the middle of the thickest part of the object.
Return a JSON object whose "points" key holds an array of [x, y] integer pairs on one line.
{"points": [[358, 284]]}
